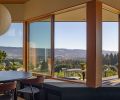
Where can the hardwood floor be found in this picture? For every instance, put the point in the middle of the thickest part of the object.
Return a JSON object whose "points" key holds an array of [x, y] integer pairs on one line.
{"points": [[20, 98]]}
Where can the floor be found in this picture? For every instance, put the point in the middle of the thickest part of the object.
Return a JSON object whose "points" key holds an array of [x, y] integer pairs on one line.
{"points": [[20, 98]]}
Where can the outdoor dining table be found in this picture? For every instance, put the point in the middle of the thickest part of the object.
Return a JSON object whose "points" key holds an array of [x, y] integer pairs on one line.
{"points": [[9, 76]]}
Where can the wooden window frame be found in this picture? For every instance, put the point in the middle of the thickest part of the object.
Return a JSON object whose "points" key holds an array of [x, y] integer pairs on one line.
{"points": [[26, 42]]}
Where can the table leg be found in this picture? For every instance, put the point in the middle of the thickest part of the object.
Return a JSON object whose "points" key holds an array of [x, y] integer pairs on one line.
{"points": [[15, 94]]}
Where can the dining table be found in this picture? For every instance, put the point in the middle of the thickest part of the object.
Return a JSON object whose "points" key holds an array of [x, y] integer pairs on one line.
{"points": [[10, 76]]}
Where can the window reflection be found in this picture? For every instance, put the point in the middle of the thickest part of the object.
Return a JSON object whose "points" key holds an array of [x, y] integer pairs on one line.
{"points": [[40, 47]]}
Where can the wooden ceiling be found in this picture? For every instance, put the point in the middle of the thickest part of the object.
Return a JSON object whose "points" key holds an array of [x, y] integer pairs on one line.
{"points": [[13, 1], [78, 13], [112, 3]]}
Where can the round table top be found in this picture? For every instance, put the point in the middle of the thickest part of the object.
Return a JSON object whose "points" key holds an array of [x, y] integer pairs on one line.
{"points": [[7, 76]]}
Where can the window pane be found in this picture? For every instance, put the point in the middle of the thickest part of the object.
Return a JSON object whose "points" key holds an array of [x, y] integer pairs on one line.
{"points": [[70, 44], [70, 50], [40, 46], [110, 48], [11, 43]]}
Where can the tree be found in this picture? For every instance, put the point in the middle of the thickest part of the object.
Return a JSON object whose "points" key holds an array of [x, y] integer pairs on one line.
{"points": [[111, 58], [115, 59], [2, 56], [106, 60], [44, 66]]}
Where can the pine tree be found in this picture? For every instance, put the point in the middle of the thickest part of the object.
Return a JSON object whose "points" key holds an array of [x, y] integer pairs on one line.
{"points": [[111, 59]]}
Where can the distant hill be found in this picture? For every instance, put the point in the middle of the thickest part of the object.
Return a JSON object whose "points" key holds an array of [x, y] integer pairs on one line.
{"points": [[75, 53], [70, 54], [16, 52]]}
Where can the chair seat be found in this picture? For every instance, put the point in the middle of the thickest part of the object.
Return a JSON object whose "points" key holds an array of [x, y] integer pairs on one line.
{"points": [[29, 90]]}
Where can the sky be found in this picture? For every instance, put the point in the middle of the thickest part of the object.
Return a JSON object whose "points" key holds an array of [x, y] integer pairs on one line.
{"points": [[72, 35], [37, 38], [110, 36], [69, 35], [13, 37]]}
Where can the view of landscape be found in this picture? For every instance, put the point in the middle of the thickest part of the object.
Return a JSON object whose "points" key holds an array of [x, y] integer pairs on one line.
{"points": [[70, 50], [76, 59], [65, 56], [40, 47], [11, 57]]}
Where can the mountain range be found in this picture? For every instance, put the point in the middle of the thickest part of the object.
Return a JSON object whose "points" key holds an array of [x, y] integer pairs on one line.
{"points": [[16, 52]]}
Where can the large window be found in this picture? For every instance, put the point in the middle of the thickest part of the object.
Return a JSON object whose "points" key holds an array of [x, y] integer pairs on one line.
{"points": [[40, 46], [11, 46], [109, 44], [110, 48], [70, 45]]}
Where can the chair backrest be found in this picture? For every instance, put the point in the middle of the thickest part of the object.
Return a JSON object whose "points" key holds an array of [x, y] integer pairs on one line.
{"points": [[37, 80], [7, 86]]}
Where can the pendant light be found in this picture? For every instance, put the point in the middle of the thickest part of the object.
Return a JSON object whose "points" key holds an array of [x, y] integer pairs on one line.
{"points": [[5, 19]]}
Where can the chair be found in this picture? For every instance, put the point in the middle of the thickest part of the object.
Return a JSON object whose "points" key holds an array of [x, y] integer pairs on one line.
{"points": [[30, 88], [8, 91]]}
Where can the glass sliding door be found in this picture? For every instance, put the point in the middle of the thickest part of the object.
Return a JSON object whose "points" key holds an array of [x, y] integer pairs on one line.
{"points": [[40, 46]]}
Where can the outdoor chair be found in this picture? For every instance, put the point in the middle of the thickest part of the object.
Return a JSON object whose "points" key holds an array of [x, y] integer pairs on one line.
{"points": [[8, 91]]}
